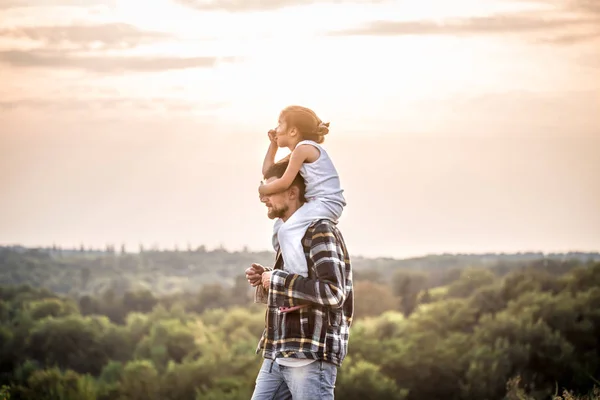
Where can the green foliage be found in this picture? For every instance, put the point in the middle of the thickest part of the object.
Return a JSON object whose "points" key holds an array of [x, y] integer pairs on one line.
{"points": [[226, 389], [112, 372], [167, 340], [140, 381], [144, 275], [51, 308], [158, 273], [407, 285], [70, 342], [470, 280], [364, 380], [375, 298], [516, 330], [515, 391], [4, 392], [54, 384]]}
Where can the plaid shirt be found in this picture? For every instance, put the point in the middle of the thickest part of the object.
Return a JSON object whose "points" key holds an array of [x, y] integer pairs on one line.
{"points": [[321, 330]]}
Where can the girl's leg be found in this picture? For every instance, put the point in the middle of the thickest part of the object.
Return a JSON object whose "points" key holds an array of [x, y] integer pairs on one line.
{"points": [[274, 239], [292, 231]]}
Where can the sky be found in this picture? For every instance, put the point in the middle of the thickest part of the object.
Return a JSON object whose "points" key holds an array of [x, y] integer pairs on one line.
{"points": [[463, 126]]}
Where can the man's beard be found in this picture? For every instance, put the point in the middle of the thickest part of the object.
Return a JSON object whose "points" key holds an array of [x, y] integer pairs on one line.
{"points": [[277, 212]]}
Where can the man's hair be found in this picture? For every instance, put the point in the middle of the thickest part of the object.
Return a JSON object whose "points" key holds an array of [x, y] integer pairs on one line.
{"points": [[278, 169]]}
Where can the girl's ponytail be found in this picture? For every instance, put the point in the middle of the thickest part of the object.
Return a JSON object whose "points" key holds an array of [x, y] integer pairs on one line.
{"points": [[306, 121]]}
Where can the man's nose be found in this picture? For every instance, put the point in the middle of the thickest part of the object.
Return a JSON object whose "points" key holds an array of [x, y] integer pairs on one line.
{"points": [[264, 199]]}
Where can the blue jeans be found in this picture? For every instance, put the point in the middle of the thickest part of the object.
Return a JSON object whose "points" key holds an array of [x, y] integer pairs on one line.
{"points": [[315, 381]]}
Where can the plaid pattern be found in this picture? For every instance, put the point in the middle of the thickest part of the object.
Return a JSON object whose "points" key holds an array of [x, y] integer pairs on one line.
{"points": [[320, 331]]}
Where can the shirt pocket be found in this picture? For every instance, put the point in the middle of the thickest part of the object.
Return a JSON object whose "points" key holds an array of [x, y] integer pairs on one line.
{"points": [[333, 338], [306, 329], [334, 318], [298, 324]]}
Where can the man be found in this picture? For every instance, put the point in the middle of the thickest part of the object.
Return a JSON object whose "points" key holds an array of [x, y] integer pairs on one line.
{"points": [[307, 319]]}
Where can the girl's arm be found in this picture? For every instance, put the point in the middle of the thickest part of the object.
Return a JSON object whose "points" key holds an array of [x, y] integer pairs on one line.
{"points": [[298, 156], [271, 152]]}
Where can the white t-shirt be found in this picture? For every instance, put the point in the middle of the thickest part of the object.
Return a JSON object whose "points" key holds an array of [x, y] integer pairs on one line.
{"points": [[293, 362], [321, 177], [323, 182]]}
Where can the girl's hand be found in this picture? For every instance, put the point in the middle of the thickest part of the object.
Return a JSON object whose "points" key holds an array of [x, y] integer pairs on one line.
{"points": [[273, 137], [261, 190]]}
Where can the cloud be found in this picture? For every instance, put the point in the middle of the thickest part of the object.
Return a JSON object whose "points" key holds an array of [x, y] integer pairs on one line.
{"points": [[589, 60], [107, 104], [523, 112], [571, 39], [104, 64], [258, 5], [116, 35], [6, 4], [566, 22], [496, 24], [589, 7]]}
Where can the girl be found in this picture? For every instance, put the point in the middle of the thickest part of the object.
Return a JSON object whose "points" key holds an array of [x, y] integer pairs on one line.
{"points": [[302, 132]]}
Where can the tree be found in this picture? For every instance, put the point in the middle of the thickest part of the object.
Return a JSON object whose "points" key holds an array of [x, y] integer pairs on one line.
{"points": [[488, 299], [51, 308], [373, 299], [470, 280], [530, 345], [407, 285], [212, 296], [183, 381], [85, 275], [363, 380], [139, 381], [52, 384], [4, 392], [72, 342], [168, 340], [140, 301]]}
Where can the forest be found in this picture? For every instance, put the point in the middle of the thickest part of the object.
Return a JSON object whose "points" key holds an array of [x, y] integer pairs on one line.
{"points": [[177, 324]]}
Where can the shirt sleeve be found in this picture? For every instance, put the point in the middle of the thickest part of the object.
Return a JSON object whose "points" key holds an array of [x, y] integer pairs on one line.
{"points": [[327, 288]]}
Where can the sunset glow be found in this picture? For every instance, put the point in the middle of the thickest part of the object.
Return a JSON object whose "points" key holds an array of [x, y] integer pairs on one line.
{"points": [[470, 124]]}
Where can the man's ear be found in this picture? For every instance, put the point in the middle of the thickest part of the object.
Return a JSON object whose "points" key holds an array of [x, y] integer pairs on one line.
{"points": [[294, 192]]}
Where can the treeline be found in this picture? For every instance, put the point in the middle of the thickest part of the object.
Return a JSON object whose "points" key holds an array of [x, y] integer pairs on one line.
{"points": [[86, 271], [94, 272], [525, 329]]}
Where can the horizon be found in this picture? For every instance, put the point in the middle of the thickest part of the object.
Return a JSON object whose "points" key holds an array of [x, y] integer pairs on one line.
{"points": [[464, 126], [117, 249]]}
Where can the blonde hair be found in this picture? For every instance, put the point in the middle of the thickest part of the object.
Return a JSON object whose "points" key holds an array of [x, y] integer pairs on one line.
{"points": [[306, 121]]}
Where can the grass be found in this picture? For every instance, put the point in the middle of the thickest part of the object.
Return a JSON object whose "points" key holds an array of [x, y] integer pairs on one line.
{"points": [[516, 392], [4, 393]]}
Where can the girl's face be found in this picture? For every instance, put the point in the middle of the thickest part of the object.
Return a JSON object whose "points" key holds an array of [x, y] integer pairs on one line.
{"points": [[283, 134]]}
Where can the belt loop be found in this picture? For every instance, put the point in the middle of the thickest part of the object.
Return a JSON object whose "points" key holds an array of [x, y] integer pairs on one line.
{"points": [[321, 365], [271, 367]]}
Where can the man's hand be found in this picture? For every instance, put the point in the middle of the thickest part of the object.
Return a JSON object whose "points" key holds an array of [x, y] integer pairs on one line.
{"points": [[253, 274], [266, 279]]}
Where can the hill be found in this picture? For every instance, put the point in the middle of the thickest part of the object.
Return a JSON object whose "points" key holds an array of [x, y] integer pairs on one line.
{"points": [[164, 272]]}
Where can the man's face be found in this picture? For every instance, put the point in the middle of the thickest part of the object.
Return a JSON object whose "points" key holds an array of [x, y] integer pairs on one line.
{"points": [[278, 204]]}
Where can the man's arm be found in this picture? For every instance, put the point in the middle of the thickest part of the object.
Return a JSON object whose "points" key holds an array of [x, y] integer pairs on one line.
{"points": [[328, 288]]}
